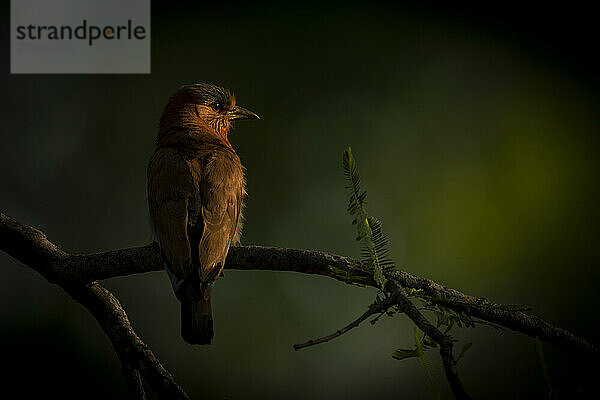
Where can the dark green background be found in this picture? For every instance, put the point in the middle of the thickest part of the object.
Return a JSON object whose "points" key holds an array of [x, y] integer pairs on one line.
{"points": [[475, 133]]}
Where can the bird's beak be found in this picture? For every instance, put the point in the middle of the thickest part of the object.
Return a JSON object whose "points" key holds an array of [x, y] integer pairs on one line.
{"points": [[241, 113]]}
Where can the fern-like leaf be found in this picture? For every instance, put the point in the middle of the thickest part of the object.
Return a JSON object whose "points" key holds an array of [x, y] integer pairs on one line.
{"points": [[374, 251]]}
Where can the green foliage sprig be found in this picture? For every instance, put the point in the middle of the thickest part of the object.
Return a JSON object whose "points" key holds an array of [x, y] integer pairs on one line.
{"points": [[448, 312], [422, 343], [374, 251]]}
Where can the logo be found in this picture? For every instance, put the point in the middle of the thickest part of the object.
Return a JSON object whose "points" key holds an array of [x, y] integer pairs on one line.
{"points": [[80, 36], [82, 32]]}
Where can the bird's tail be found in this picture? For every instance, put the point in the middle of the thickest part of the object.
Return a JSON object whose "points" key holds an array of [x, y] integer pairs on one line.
{"points": [[196, 318]]}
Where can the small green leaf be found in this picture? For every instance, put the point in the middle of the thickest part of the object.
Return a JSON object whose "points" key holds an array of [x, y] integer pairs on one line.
{"points": [[429, 342], [414, 292], [418, 343], [349, 277], [402, 354], [464, 350], [450, 326]]}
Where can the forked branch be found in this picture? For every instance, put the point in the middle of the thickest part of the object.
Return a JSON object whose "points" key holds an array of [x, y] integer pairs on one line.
{"points": [[77, 274]]}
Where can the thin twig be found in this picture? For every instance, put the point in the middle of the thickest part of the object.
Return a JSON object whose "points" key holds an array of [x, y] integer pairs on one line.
{"points": [[374, 308]]}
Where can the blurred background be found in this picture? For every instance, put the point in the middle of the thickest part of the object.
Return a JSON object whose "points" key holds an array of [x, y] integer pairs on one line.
{"points": [[475, 131]]}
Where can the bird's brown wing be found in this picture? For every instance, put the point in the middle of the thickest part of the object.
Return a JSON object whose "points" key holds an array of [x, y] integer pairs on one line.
{"points": [[170, 186], [221, 188]]}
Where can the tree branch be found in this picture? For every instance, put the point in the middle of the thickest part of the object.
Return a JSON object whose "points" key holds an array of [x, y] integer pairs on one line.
{"points": [[77, 274], [445, 342], [129, 347], [31, 247]]}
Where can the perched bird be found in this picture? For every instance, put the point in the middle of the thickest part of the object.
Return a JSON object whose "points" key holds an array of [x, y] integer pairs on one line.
{"points": [[196, 187]]}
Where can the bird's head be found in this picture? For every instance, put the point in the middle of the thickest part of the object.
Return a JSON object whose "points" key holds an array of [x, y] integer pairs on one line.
{"points": [[198, 110]]}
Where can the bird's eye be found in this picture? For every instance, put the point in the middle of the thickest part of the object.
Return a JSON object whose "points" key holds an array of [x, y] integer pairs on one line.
{"points": [[217, 106]]}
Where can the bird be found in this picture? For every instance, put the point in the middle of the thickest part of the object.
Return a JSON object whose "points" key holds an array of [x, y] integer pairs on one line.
{"points": [[196, 187]]}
